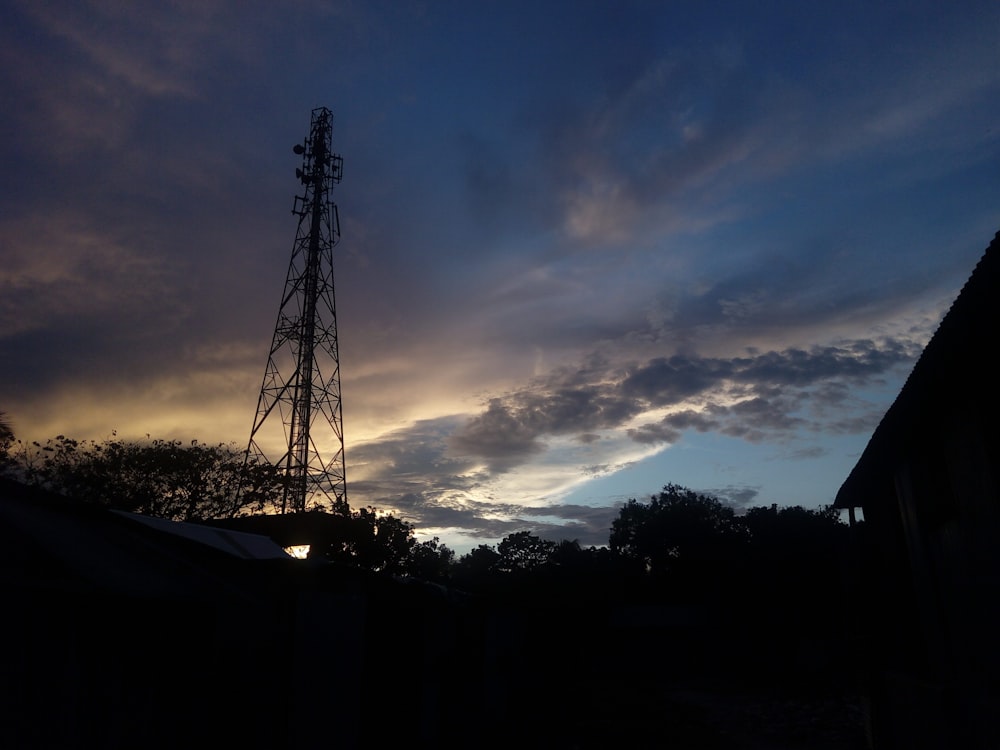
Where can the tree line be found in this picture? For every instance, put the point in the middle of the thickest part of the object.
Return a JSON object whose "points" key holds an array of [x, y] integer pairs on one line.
{"points": [[196, 481], [679, 540]]}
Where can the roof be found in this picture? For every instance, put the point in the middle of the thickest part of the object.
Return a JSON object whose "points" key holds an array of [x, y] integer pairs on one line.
{"points": [[51, 542], [239, 543], [955, 371]]}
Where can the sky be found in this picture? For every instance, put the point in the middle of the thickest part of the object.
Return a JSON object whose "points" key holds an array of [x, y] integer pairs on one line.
{"points": [[588, 248]]}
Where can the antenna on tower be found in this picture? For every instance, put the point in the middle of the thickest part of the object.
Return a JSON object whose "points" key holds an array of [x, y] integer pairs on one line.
{"points": [[299, 418]]}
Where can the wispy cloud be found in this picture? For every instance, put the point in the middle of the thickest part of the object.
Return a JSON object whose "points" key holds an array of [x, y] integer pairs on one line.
{"points": [[546, 435], [576, 239]]}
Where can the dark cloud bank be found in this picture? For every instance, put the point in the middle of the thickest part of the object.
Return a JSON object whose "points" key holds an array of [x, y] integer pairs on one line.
{"points": [[767, 396]]}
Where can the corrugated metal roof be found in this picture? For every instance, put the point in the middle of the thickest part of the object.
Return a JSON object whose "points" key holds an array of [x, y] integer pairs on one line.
{"points": [[238, 543], [50, 542]]}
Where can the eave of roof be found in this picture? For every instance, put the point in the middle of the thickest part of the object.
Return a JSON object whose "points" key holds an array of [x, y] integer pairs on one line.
{"points": [[954, 369]]}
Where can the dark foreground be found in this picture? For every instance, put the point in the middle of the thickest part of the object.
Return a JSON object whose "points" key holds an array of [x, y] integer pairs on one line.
{"points": [[706, 718]]}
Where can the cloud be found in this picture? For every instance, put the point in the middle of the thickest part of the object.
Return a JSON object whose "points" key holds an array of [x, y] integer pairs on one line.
{"points": [[689, 419], [666, 381], [680, 121], [778, 384], [451, 471], [500, 436], [649, 225], [736, 496], [590, 525], [63, 266], [773, 414], [654, 434], [146, 48], [858, 360], [678, 141]]}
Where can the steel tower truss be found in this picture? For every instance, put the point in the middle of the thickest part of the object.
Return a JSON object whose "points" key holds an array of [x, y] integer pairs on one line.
{"points": [[299, 408]]}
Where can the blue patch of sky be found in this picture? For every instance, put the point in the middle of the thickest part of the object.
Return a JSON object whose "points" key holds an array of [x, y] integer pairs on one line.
{"points": [[716, 463]]}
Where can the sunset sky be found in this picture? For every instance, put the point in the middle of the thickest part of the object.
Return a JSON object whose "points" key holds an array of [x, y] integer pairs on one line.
{"points": [[589, 248]]}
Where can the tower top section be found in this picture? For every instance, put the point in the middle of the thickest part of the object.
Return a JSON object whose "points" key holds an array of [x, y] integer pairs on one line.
{"points": [[321, 168]]}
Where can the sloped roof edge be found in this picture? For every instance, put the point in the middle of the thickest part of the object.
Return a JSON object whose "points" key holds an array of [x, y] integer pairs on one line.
{"points": [[954, 364], [238, 543]]}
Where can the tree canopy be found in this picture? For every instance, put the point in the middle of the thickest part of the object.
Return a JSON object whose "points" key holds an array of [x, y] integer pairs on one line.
{"points": [[162, 478], [6, 432], [371, 540], [677, 525], [6, 439], [523, 552]]}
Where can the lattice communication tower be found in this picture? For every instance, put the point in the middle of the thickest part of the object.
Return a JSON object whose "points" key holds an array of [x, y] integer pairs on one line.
{"points": [[299, 410]]}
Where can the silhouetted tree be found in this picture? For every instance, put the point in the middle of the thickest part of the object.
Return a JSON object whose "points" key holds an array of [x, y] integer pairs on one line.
{"points": [[790, 581], [6, 439], [371, 540], [566, 554], [431, 561], [794, 533], [675, 528], [477, 566], [381, 542], [794, 554], [523, 552], [162, 478]]}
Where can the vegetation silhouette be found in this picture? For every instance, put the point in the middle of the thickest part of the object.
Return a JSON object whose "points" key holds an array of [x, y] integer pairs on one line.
{"points": [[689, 620], [717, 626], [197, 482], [6, 435], [155, 477]]}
